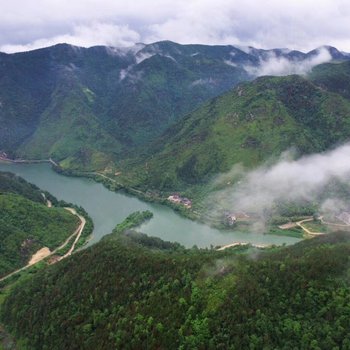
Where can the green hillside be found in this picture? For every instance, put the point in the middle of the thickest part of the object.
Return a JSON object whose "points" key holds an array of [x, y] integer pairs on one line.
{"points": [[68, 130], [10, 183], [27, 224], [132, 292], [88, 107], [334, 77], [163, 119], [249, 125]]}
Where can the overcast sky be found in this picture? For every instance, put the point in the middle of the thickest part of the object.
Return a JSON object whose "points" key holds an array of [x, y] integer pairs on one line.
{"points": [[296, 24]]}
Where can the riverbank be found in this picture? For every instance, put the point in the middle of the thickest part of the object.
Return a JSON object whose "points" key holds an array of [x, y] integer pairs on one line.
{"points": [[149, 196], [239, 244], [189, 213], [108, 208], [156, 197], [194, 213], [112, 185], [28, 161]]}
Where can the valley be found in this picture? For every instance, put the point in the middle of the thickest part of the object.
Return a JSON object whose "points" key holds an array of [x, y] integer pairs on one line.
{"points": [[178, 197]]}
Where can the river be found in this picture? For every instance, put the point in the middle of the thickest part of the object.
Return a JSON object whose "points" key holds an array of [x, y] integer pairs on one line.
{"points": [[108, 208]]}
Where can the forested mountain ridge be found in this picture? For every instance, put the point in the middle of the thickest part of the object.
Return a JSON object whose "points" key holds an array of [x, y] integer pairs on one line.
{"points": [[173, 298], [332, 77], [248, 125], [89, 107]]}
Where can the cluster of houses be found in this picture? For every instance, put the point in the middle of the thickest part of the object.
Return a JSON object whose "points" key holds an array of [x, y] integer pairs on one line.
{"points": [[176, 198]]}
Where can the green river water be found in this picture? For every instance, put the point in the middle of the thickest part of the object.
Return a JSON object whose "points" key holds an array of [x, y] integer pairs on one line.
{"points": [[108, 208]]}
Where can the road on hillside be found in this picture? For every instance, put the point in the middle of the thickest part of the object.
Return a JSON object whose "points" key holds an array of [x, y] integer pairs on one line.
{"points": [[76, 233]]}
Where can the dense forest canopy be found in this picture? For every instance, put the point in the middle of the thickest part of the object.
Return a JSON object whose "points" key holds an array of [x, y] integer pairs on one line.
{"points": [[169, 297]]}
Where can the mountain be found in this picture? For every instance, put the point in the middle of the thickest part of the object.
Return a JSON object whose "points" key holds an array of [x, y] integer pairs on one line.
{"points": [[66, 101], [250, 124], [27, 224], [170, 117], [89, 107], [134, 292], [333, 77]]}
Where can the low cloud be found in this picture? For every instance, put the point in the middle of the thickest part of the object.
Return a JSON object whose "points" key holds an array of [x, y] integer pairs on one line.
{"points": [[271, 24], [143, 56], [297, 181], [230, 63], [280, 66], [85, 35], [334, 205]]}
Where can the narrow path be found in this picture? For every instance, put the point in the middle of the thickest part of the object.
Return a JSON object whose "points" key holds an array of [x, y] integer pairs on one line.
{"points": [[77, 232], [14, 272], [235, 244], [115, 181], [50, 160], [311, 233], [287, 226]]}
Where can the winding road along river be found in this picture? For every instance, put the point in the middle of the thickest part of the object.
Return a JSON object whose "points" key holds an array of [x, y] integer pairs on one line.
{"points": [[108, 208]]}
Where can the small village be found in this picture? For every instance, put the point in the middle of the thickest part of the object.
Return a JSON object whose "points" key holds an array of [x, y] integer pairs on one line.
{"points": [[177, 199], [311, 225]]}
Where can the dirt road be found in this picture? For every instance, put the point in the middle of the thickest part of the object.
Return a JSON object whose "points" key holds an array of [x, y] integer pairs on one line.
{"points": [[45, 252], [235, 244], [311, 233], [78, 231]]}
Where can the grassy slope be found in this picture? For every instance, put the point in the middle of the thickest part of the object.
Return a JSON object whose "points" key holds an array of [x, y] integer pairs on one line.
{"points": [[334, 77], [69, 131], [120, 294], [159, 91], [26, 224], [249, 125], [71, 103]]}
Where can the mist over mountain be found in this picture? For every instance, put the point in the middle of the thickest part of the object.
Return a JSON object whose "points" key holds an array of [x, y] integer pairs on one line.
{"points": [[249, 125], [234, 129], [92, 106], [266, 189]]}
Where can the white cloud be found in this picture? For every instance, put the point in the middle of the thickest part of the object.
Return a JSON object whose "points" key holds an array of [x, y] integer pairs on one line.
{"points": [[81, 35], [265, 24], [273, 65], [288, 180], [141, 56]]}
